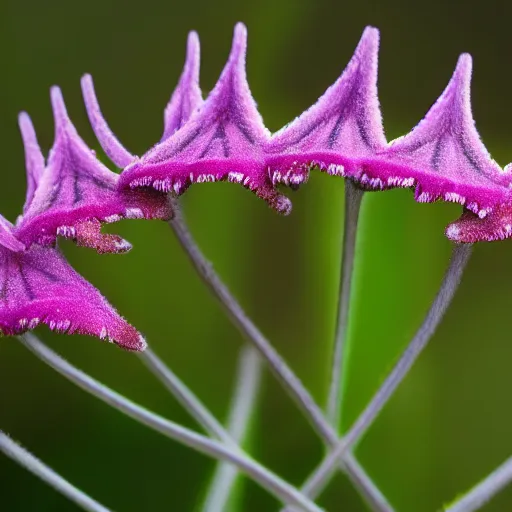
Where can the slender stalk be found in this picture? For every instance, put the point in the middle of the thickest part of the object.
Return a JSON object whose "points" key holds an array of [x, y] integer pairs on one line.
{"points": [[185, 397], [249, 331], [281, 370], [269, 481], [320, 477], [353, 197], [246, 389], [45, 473], [485, 490]]}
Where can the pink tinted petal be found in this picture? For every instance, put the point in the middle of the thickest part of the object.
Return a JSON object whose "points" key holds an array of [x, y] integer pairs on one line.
{"points": [[76, 188], [444, 156], [7, 238], [117, 153], [186, 98], [344, 125], [38, 286], [34, 159], [88, 234], [222, 141], [470, 228]]}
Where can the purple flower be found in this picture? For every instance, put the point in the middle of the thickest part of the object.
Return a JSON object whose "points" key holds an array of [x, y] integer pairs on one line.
{"points": [[471, 228], [443, 157], [344, 125], [185, 100], [38, 286], [223, 140], [75, 191]]}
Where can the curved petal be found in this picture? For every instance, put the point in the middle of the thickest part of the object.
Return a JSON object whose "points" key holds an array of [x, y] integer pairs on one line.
{"points": [[444, 156], [222, 141], [34, 159], [186, 98], [117, 153], [77, 190], [344, 125], [38, 286]]}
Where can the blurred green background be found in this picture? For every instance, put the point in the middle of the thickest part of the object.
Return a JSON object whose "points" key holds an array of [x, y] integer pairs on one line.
{"points": [[447, 426]]}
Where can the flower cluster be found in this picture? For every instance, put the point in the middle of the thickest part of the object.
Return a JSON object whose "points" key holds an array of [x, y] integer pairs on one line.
{"points": [[71, 193]]}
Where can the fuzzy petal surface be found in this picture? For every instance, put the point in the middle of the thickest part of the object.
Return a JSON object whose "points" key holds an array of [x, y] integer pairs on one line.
{"points": [[443, 157], [76, 188], [187, 97], [38, 286], [34, 159], [223, 140], [344, 125], [470, 228], [7, 239]]}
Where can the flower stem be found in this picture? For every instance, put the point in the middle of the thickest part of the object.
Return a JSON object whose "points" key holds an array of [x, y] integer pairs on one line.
{"points": [[246, 389], [353, 197], [249, 331], [268, 480], [281, 370], [185, 397], [34, 465], [485, 490], [323, 473]]}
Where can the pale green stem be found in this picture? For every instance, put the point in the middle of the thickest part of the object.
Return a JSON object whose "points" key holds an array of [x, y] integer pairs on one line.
{"points": [[290, 382], [48, 475], [485, 490], [269, 481], [247, 384], [185, 397], [353, 197], [321, 476]]}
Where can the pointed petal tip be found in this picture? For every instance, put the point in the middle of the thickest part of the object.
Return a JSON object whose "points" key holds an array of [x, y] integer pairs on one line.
{"points": [[24, 119], [193, 56], [131, 340], [192, 43], [27, 129], [117, 153], [240, 31], [370, 38], [461, 77], [143, 344], [86, 81], [239, 45], [60, 113]]}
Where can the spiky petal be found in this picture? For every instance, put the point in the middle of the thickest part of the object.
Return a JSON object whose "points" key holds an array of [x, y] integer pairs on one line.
{"points": [[186, 98], [38, 286], [113, 148], [34, 159], [224, 140], [444, 156], [343, 126], [76, 190]]}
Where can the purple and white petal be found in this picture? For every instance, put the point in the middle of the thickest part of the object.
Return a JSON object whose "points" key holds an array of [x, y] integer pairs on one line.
{"points": [[187, 97], [343, 126], [76, 190], [444, 157], [117, 153], [38, 286], [34, 159], [223, 140]]}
